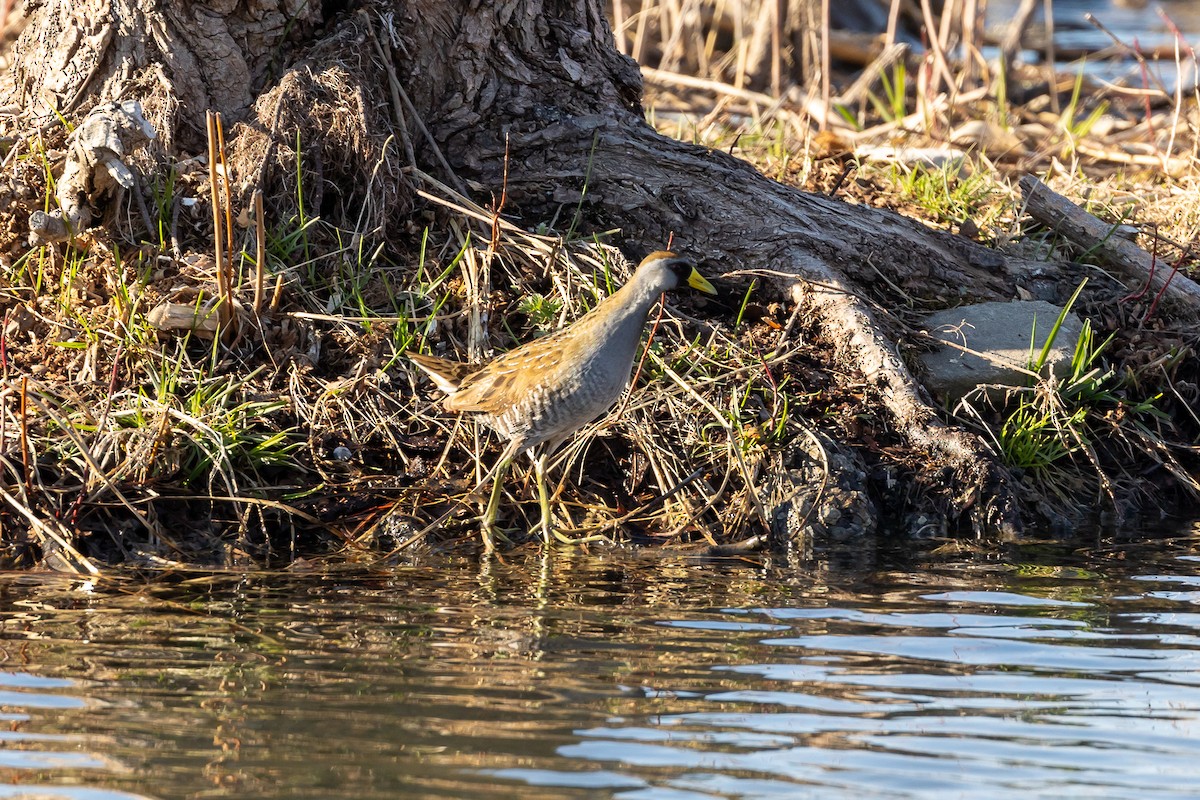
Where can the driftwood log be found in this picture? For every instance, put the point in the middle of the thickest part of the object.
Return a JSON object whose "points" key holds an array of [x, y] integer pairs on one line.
{"points": [[1109, 242]]}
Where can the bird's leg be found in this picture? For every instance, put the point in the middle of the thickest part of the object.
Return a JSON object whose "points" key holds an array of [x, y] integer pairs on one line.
{"points": [[539, 470], [488, 529]]}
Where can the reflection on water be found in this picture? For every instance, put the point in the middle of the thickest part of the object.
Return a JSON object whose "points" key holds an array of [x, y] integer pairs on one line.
{"points": [[642, 680]]}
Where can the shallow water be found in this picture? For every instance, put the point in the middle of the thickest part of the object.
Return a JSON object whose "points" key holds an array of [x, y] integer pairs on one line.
{"points": [[1126, 20], [1030, 673], [1133, 22]]}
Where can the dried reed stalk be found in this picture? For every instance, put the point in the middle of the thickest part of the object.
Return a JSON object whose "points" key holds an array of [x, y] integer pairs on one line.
{"points": [[224, 279], [260, 251]]}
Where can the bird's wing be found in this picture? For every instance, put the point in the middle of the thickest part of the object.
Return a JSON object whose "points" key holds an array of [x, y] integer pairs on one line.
{"points": [[507, 381]]}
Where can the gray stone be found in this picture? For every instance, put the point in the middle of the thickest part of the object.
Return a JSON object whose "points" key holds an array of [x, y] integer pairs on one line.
{"points": [[998, 334]]}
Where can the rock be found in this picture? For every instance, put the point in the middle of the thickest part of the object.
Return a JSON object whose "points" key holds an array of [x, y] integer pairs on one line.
{"points": [[998, 334], [816, 495], [182, 318], [989, 137]]}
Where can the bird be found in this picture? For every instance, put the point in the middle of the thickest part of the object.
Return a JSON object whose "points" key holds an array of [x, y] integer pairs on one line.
{"points": [[539, 394]]}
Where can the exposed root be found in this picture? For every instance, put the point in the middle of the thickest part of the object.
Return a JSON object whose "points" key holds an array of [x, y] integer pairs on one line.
{"points": [[976, 482]]}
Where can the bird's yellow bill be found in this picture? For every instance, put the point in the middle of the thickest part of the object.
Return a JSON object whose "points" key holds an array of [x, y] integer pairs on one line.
{"points": [[700, 283]]}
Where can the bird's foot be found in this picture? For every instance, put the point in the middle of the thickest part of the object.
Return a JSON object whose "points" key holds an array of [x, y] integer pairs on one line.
{"points": [[562, 537], [491, 531]]}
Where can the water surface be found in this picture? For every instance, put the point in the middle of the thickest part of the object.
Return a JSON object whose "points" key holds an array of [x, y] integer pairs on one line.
{"points": [[1027, 673], [1126, 20], [1135, 24]]}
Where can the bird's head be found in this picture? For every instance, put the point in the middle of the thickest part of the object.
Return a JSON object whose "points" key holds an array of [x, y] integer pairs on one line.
{"points": [[670, 271]]}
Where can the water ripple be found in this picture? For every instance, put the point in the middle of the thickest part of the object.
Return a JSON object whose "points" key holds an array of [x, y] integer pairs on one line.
{"points": [[642, 683]]}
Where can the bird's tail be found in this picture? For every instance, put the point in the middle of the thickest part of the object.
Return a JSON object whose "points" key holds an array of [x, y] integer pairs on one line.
{"points": [[448, 375]]}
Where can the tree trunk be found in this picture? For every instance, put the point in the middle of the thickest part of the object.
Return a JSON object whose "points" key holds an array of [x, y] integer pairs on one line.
{"points": [[535, 90], [177, 58]]}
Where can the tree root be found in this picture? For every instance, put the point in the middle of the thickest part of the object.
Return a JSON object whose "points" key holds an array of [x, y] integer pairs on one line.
{"points": [[978, 483]]}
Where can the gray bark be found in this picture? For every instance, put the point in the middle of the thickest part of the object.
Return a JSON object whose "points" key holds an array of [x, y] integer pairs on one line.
{"points": [[179, 58]]}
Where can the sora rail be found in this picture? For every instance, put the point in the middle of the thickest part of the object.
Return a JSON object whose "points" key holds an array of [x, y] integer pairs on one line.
{"points": [[538, 395]]}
